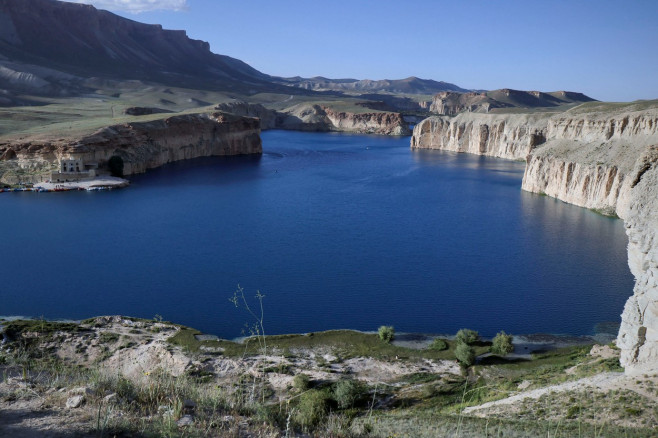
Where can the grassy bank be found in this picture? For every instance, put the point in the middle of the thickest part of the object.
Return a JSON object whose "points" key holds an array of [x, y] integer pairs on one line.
{"points": [[151, 378]]}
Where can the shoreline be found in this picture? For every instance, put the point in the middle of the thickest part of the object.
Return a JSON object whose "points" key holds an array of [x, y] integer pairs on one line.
{"points": [[524, 344], [92, 184]]}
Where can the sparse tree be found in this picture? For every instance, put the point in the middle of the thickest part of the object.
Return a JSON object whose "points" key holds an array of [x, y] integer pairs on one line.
{"points": [[467, 336], [465, 354], [502, 344]]}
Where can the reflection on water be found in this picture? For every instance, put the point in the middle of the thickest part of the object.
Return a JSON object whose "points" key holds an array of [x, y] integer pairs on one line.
{"points": [[338, 231]]}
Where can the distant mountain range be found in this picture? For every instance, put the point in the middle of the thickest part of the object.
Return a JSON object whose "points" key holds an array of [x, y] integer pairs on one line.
{"points": [[451, 103], [410, 85], [49, 47], [82, 41]]}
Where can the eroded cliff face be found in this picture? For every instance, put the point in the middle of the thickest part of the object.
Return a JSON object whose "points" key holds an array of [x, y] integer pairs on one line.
{"points": [[638, 334], [142, 145], [504, 136], [306, 117], [606, 160], [311, 117]]}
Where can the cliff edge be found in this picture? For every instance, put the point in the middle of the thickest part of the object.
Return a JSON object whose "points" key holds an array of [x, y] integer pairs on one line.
{"points": [[603, 157], [141, 145]]}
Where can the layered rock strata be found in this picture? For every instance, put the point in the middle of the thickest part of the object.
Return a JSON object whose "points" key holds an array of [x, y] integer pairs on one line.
{"points": [[141, 145], [266, 116], [504, 136], [606, 160], [310, 117], [307, 117]]}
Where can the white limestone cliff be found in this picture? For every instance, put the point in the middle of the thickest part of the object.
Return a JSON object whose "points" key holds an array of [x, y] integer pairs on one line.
{"points": [[509, 136]]}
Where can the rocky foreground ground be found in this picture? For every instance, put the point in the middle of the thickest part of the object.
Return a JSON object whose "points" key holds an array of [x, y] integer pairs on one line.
{"points": [[118, 376]]}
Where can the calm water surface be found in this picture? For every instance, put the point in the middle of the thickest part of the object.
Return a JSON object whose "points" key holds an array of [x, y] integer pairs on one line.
{"points": [[337, 231]]}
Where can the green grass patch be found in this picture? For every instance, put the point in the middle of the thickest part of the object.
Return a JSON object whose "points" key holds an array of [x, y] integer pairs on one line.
{"points": [[40, 327], [185, 338]]}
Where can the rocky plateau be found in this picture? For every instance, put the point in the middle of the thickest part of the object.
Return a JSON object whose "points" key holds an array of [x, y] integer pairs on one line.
{"points": [[141, 145]]}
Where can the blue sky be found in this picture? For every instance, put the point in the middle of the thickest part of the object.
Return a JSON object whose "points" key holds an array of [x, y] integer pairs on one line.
{"points": [[607, 49]]}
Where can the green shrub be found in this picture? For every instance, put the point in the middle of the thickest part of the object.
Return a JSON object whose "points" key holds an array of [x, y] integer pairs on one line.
{"points": [[386, 333], [312, 409], [467, 336], [502, 344], [301, 382], [347, 392], [438, 345], [465, 354]]}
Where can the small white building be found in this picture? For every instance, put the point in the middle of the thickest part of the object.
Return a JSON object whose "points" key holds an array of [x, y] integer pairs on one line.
{"points": [[73, 169], [71, 165]]}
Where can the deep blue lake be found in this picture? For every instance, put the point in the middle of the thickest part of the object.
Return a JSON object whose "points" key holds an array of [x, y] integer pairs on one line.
{"points": [[336, 230]]}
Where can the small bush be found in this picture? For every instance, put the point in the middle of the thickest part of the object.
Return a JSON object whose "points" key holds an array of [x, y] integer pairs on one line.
{"points": [[108, 337], [347, 392], [502, 344], [438, 345], [386, 333], [465, 354], [467, 336], [312, 409], [301, 382]]}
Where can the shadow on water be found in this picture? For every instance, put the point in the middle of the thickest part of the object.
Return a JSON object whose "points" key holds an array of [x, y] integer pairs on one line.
{"points": [[203, 170]]}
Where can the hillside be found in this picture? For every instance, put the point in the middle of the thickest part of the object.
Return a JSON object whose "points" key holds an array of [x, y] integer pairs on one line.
{"points": [[73, 41], [410, 85], [450, 103]]}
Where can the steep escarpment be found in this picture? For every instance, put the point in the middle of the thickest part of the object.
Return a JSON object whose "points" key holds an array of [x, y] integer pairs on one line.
{"points": [[638, 334], [589, 159], [603, 158], [142, 145], [504, 136], [308, 117]]}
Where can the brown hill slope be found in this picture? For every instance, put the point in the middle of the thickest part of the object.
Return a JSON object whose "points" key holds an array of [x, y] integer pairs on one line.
{"points": [[83, 41]]}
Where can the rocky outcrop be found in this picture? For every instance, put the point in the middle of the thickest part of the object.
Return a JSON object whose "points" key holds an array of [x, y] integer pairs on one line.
{"points": [[638, 334], [308, 117], [448, 103], [604, 159], [266, 116], [505, 136], [142, 145]]}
